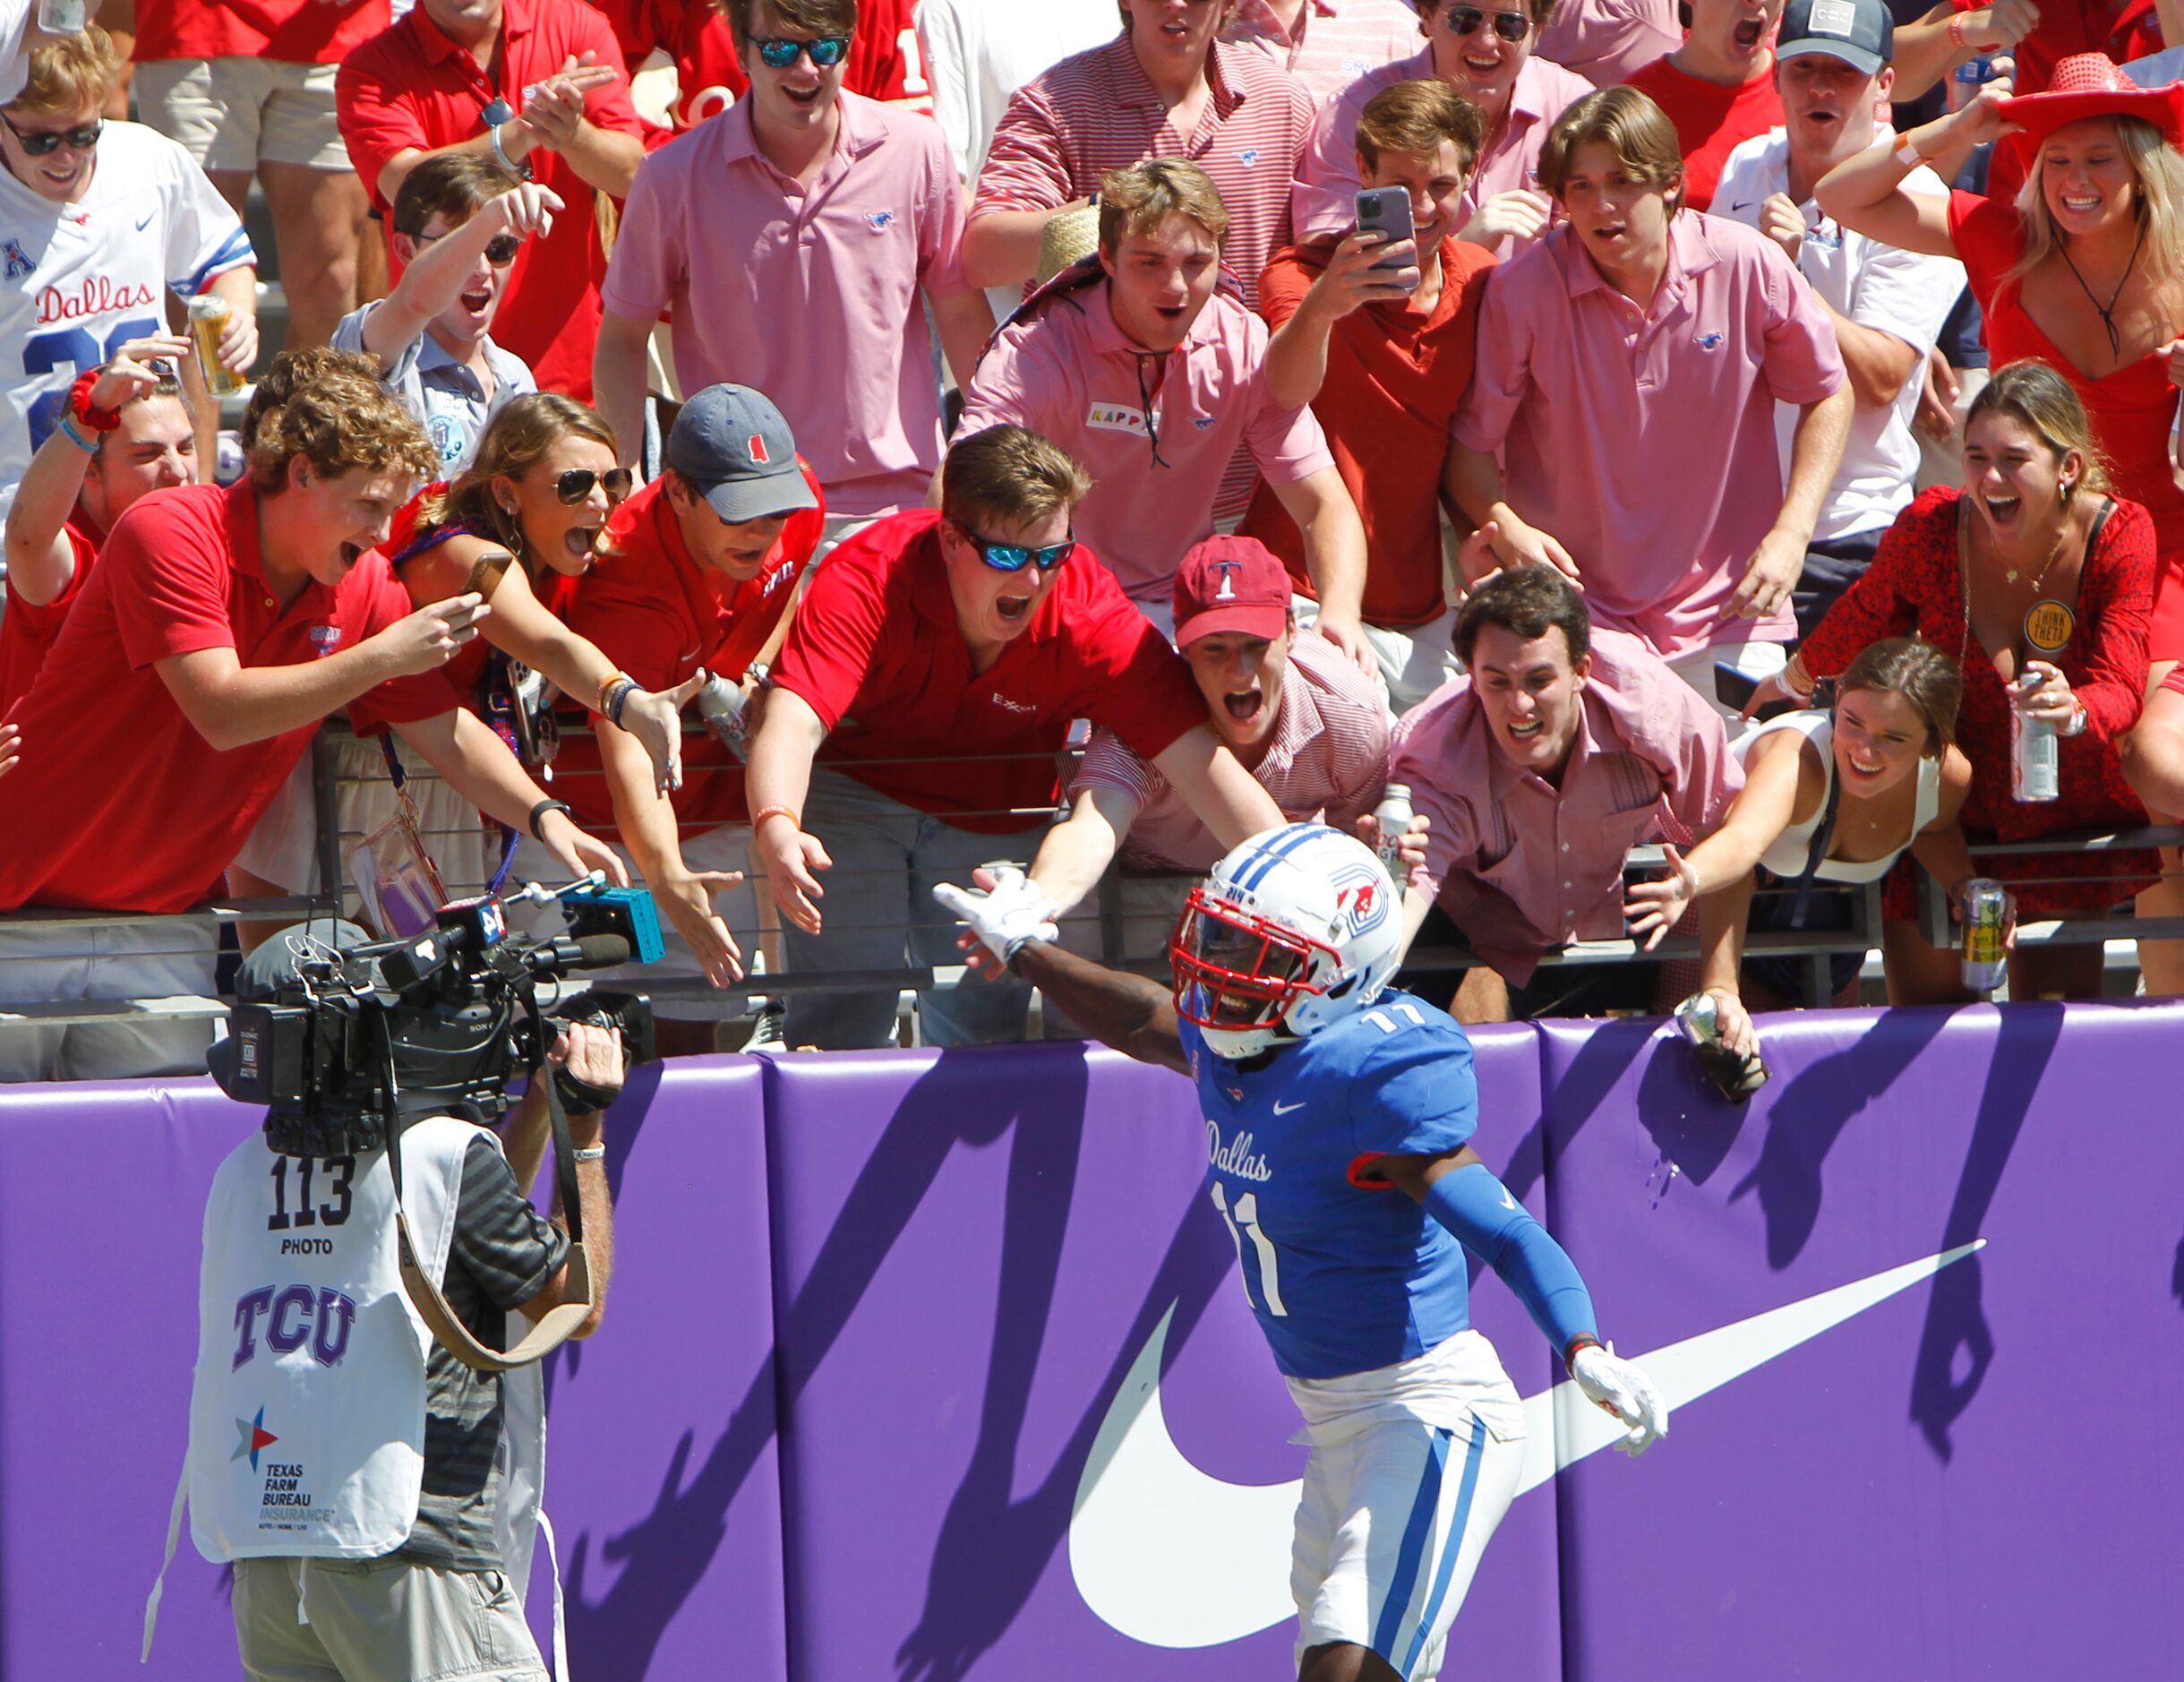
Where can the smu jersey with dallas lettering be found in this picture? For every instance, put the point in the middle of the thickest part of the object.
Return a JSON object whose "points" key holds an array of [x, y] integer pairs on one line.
{"points": [[78, 281], [1344, 1277]]}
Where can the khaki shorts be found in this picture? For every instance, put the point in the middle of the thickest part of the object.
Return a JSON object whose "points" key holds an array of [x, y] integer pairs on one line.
{"points": [[235, 114], [392, 1620]]}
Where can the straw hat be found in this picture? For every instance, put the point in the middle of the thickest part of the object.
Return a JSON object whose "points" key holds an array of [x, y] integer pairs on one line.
{"points": [[1070, 236]]}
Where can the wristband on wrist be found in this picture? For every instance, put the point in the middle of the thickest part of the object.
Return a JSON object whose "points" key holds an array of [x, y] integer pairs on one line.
{"points": [[590, 1153], [521, 171], [764, 813], [1581, 1341], [606, 689], [1957, 29], [79, 405], [540, 811], [1908, 155], [66, 428], [1798, 681], [621, 699]]}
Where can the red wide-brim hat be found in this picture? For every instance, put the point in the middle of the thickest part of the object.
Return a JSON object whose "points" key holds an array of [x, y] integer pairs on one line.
{"points": [[2090, 85]]}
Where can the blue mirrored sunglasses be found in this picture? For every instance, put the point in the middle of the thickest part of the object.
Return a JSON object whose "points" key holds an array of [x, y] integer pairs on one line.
{"points": [[1013, 557], [826, 52]]}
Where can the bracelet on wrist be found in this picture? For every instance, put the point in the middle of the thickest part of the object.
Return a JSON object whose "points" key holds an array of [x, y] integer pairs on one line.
{"points": [[79, 404], [589, 1154], [606, 689], [538, 813], [1907, 155], [621, 699], [764, 813], [66, 428], [521, 171], [1957, 29], [1797, 680]]}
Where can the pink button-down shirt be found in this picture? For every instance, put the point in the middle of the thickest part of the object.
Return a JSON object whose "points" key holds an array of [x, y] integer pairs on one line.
{"points": [[1644, 439], [1096, 112], [1070, 374], [1525, 866], [1327, 762], [1336, 42], [1323, 202], [810, 296]]}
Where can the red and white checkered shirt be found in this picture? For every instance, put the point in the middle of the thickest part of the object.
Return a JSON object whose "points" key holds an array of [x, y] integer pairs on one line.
{"points": [[1336, 41], [1096, 112], [1328, 760]]}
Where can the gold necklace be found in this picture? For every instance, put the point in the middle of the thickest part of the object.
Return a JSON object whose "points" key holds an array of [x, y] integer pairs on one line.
{"points": [[2010, 574]]}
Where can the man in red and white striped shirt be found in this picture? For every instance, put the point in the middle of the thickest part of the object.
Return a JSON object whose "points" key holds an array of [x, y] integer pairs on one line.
{"points": [[1166, 87], [1292, 708], [1326, 44]]}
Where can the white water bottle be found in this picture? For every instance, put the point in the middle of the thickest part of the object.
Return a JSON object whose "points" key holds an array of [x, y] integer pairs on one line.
{"points": [[1394, 815]]}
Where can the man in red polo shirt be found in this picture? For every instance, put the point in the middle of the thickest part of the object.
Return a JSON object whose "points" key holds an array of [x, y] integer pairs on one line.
{"points": [[944, 654], [1718, 88], [700, 568], [126, 432], [1386, 370], [220, 626], [538, 86]]}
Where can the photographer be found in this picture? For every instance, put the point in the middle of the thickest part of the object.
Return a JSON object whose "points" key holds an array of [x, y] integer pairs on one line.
{"points": [[377, 1495]]}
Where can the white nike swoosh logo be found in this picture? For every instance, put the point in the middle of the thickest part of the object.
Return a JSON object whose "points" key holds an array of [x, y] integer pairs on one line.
{"points": [[1508, 1202], [1172, 1558], [1284, 1108]]}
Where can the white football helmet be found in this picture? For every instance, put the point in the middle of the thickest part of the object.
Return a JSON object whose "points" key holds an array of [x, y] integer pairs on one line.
{"points": [[1293, 930]]}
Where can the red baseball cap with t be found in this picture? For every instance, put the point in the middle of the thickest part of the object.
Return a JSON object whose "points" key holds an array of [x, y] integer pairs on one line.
{"points": [[1231, 584]]}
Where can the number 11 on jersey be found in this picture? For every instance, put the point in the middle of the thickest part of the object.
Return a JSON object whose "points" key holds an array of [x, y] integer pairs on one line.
{"points": [[1243, 1219]]}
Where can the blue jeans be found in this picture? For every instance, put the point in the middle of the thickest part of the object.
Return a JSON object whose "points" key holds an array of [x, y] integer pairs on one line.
{"points": [[879, 906]]}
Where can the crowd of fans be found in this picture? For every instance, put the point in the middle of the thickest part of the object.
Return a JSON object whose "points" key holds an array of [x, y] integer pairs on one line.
{"points": [[1455, 424]]}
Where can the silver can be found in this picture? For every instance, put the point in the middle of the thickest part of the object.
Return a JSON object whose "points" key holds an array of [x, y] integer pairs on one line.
{"points": [[1394, 815], [2036, 758], [1984, 906], [1735, 1075], [721, 704]]}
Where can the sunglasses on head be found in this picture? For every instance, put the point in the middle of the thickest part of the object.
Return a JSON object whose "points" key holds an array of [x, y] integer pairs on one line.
{"points": [[1511, 26], [1013, 557], [499, 250], [574, 485], [824, 53], [79, 139]]}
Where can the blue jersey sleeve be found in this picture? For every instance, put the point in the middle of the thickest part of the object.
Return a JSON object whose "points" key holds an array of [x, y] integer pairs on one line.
{"points": [[1414, 1092]]}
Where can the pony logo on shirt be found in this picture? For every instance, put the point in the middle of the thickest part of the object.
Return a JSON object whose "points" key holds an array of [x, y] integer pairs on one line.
{"points": [[19, 266], [1116, 417], [1709, 341], [1248, 156], [1202, 422], [325, 639], [880, 221]]}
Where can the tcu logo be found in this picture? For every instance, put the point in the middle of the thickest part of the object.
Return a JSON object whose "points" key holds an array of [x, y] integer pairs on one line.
{"points": [[294, 1317]]}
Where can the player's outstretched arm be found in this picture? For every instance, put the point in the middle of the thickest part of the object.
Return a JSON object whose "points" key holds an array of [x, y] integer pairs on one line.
{"points": [[1463, 1194], [1012, 920]]}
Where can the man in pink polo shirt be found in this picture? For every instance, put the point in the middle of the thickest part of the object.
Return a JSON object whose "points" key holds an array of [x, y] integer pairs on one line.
{"points": [[1564, 748], [1326, 43], [1166, 87], [1486, 54], [1153, 377], [1293, 708], [1717, 88], [944, 653], [1627, 374], [793, 236]]}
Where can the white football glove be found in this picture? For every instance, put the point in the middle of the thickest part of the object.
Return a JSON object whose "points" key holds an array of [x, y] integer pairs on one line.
{"points": [[1622, 1388], [1012, 912]]}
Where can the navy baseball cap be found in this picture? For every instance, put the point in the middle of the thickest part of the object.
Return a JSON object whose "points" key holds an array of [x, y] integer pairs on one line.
{"points": [[1862, 33], [732, 445]]}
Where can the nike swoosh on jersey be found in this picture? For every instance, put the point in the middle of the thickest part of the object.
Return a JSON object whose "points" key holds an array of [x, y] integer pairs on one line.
{"points": [[1284, 1108], [146, 223], [1172, 1558]]}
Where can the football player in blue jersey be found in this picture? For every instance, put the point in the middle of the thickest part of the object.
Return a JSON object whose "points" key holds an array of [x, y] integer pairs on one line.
{"points": [[1339, 1114]]}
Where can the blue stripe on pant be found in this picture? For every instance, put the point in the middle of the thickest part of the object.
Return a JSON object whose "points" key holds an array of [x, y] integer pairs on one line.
{"points": [[1414, 1555]]}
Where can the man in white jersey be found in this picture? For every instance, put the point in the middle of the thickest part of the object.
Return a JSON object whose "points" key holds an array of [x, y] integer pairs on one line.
{"points": [[97, 220]]}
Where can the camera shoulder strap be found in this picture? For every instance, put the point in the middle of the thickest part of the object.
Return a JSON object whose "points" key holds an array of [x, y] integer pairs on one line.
{"points": [[559, 1323]]}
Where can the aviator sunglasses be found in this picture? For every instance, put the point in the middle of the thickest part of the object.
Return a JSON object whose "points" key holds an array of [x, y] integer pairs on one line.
{"points": [[1013, 557], [574, 485], [1511, 26], [79, 139], [824, 53], [499, 250]]}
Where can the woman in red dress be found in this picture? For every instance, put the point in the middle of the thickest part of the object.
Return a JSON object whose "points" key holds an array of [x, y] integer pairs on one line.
{"points": [[1963, 569], [2086, 271]]}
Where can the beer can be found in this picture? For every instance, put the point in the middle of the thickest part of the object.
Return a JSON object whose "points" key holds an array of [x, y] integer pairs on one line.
{"points": [[1736, 1075], [1699, 1020], [1394, 814], [209, 318], [720, 703], [2036, 758], [1985, 907]]}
